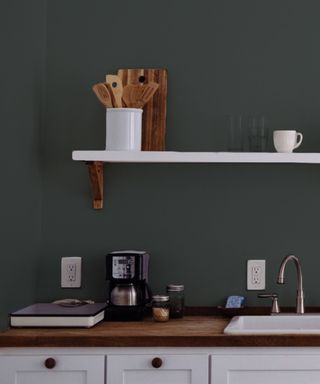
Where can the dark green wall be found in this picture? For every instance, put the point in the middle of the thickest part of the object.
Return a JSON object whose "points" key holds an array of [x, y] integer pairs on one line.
{"points": [[22, 63], [200, 223]]}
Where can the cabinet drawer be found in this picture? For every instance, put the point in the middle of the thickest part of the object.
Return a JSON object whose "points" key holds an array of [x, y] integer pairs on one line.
{"points": [[265, 369], [157, 369], [52, 369]]}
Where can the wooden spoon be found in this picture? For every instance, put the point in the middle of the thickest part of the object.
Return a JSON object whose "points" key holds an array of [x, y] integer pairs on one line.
{"points": [[115, 84], [149, 90], [103, 94], [131, 94], [136, 95]]}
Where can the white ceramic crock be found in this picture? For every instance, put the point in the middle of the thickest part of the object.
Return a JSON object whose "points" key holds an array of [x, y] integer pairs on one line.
{"points": [[123, 129]]}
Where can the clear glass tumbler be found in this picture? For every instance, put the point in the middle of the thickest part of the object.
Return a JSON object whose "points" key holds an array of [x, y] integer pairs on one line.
{"points": [[235, 134], [258, 134]]}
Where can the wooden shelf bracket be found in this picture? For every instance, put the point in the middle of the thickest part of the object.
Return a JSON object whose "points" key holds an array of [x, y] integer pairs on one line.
{"points": [[95, 169]]}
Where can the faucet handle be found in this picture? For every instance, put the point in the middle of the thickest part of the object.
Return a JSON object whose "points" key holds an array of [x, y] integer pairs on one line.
{"points": [[275, 304]]}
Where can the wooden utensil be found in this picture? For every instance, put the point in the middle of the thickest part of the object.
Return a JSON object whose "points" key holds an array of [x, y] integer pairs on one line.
{"points": [[136, 96], [148, 91], [154, 112], [115, 84], [131, 95], [103, 94]]}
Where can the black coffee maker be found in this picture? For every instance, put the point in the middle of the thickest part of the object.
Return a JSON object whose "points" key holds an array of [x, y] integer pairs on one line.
{"points": [[129, 292]]}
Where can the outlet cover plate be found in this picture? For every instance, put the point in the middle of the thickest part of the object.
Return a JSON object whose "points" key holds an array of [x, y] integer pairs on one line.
{"points": [[71, 272], [256, 275]]}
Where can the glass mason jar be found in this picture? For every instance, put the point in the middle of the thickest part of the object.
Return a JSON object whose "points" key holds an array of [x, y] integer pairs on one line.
{"points": [[160, 308], [176, 299]]}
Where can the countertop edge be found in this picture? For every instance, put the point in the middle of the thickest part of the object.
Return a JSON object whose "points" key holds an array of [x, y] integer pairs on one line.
{"points": [[166, 341], [191, 331]]}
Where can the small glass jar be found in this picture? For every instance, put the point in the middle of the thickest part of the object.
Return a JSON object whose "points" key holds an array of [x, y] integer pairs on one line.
{"points": [[176, 299], [160, 308]]}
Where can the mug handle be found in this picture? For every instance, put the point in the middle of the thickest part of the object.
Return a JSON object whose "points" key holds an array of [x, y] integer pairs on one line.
{"points": [[300, 136]]}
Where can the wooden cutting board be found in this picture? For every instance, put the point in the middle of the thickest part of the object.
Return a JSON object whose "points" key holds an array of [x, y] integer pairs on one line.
{"points": [[154, 112]]}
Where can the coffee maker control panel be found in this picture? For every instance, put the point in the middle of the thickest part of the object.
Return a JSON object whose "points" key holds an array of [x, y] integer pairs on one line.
{"points": [[123, 267]]}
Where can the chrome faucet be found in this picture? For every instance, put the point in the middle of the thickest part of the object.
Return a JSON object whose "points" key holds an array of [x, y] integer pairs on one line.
{"points": [[275, 304], [280, 280]]}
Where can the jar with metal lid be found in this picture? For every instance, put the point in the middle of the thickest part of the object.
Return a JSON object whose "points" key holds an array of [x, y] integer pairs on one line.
{"points": [[176, 299], [160, 308]]}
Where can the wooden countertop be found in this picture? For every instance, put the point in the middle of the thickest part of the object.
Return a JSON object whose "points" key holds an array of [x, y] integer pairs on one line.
{"points": [[191, 331]]}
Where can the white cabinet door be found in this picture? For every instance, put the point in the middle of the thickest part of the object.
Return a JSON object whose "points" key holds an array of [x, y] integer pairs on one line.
{"points": [[67, 370], [265, 369], [174, 369]]}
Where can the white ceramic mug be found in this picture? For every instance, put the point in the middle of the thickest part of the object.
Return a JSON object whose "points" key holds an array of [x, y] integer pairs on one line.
{"points": [[286, 141]]}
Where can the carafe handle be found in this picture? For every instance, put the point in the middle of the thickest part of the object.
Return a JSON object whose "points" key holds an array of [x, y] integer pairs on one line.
{"points": [[149, 294]]}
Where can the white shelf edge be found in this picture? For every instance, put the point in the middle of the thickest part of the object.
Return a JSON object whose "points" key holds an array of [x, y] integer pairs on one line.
{"points": [[195, 157]]}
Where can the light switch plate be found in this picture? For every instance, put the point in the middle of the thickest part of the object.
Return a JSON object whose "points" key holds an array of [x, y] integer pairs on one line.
{"points": [[256, 275], [71, 272]]}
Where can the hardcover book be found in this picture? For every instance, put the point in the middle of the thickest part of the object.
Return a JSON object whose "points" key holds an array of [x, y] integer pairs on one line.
{"points": [[57, 315]]}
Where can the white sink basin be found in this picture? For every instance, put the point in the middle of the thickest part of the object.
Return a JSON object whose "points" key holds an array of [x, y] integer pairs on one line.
{"points": [[277, 324]]}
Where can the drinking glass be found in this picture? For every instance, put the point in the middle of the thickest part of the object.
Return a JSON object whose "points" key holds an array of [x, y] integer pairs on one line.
{"points": [[235, 134], [258, 134]]}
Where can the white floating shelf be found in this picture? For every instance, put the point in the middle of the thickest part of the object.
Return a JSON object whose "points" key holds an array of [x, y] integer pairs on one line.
{"points": [[195, 157], [96, 159]]}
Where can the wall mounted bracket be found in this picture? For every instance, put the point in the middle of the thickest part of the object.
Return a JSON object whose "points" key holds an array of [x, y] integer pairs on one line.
{"points": [[95, 169], [96, 159]]}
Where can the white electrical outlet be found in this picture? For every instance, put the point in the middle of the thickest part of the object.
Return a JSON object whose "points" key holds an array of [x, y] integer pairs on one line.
{"points": [[256, 274], [70, 272]]}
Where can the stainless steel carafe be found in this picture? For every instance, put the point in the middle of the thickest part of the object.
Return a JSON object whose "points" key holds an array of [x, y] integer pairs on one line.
{"points": [[125, 294]]}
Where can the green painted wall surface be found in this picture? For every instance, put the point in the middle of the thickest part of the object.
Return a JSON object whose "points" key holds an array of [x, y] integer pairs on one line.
{"points": [[200, 223], [22, 64]]}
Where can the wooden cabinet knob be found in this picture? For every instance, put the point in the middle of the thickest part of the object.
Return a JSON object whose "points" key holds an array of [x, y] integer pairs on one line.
{"points": [[156, 362], [50, 363]]}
